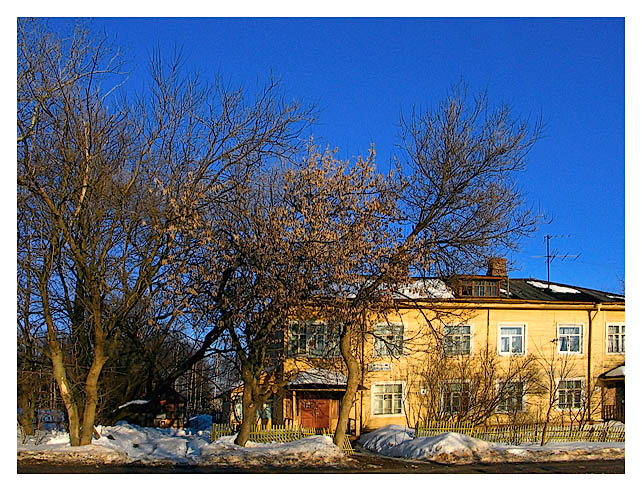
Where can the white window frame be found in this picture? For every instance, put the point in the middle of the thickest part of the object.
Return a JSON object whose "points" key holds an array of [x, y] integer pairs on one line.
{"points": [[582, 393], [311, 330], [508, 411], [620, 335], [561, 325], [442, 393], [524, 327], [376, 340], [470, 336], [373, 399]]}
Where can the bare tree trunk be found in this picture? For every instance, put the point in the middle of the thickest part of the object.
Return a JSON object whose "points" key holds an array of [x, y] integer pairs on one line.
{"points": [[26, 404], [351, 386], [59, 372], [65, 392], [249, 406], [91, 396], [545, 428]]}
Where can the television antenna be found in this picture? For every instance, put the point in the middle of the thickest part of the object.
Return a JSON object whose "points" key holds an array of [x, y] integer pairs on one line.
{"points": [[554, 254]]}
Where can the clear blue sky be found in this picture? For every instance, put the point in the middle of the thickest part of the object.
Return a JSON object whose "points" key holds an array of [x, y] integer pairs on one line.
{"points": [[362, 73]]}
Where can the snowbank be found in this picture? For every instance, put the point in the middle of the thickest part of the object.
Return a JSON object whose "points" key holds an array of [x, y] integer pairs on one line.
{"points": [[127, 443], [397, 441], [313, 450]]}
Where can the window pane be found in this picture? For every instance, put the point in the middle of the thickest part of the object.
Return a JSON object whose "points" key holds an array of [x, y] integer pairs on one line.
{"points": [[517, 344], [378, 406], [466, 346], [511, 330], [564, 344], [570, 330], [505, 344], [575, 344]]}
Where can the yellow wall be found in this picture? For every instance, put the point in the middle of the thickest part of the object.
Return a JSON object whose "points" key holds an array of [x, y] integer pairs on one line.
{"points": [[541, 322]]}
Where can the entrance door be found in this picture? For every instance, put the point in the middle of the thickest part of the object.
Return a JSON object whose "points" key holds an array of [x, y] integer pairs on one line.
{"points": [[619, 401], [315, 413]]}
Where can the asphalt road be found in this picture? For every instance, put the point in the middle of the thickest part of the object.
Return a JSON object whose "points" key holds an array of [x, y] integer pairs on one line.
{"points": [[360, 463]]}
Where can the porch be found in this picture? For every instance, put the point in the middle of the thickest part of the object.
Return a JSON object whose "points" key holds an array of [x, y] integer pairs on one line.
{"points": [[612, 394]]}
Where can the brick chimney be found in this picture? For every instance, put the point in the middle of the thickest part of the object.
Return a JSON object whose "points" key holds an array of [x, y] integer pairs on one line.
{"points": [[497, 267]]}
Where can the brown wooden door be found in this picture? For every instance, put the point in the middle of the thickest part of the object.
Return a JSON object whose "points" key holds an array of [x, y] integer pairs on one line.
{"points": [[315, 413]]}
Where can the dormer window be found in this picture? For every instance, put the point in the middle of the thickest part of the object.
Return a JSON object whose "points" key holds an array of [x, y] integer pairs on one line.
{"points": [[476, 287]]}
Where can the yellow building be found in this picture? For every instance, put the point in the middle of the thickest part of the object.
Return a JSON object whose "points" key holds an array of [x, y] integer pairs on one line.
{"points": [[487, 348]]}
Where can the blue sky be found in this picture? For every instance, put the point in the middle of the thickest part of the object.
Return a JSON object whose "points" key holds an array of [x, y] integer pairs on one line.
{"points": [[362, 73]]}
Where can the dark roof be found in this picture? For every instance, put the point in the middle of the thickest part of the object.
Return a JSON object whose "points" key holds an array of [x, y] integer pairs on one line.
{"points": [[614, 373], [533, 289]]}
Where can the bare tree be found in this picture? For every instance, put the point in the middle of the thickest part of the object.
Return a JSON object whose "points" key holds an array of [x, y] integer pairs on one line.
{"points": [[113, 194], [556, 370], [460, 206], [289, 234], [470, 388]]}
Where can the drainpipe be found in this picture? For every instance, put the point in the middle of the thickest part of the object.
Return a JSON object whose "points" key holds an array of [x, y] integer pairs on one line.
{"points": [[589, 383], [362, 385]]}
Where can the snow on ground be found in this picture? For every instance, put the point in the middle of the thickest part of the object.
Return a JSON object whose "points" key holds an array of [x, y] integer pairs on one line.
{"points": [[398, 441], [313, 450], [126, 443]]}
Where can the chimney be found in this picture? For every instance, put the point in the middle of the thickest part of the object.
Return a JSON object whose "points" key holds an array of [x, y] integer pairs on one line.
{"points": [[497, 267]]}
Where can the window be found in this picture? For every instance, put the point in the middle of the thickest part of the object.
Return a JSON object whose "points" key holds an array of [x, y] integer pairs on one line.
{"points": [[457, 340], [615, 338], [511, 340], [512, 398], [569, 338], [569, 394], [387, 398], [455, 397], [298, 339], [312, 339], [388, 340], [478, 288]]}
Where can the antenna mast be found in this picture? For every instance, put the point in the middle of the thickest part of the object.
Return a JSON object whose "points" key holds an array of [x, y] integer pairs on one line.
{"points": [[550, 256]]}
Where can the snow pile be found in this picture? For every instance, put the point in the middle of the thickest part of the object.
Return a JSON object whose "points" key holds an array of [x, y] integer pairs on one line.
{"points": [[383, 439], [153, 445], [397, 441], [127, 443], [447, 447], [313, 450], [553, 287], [53, 447]]}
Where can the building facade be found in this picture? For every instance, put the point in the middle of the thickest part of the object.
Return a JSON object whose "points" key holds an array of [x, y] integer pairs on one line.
{"points": [[483, 349]]}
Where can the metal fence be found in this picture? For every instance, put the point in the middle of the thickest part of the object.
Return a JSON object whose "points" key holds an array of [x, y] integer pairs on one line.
{"points": [[277, 434], [531, 433]]}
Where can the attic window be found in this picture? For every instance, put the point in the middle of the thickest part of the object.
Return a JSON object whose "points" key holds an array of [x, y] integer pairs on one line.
{"points": [[478, 288]]}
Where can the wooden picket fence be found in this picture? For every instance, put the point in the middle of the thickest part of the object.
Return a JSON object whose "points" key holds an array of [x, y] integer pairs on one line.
{"points": [[277, 434], [531, 433]]}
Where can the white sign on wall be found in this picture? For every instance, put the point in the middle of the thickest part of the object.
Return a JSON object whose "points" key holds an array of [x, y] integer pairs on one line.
{"points": [[379, 367]]}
